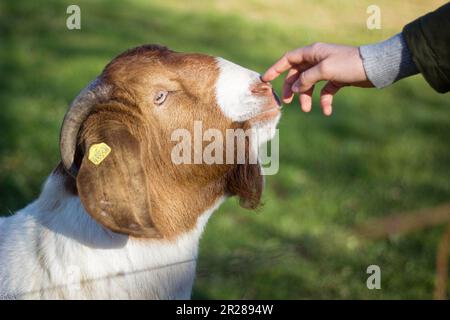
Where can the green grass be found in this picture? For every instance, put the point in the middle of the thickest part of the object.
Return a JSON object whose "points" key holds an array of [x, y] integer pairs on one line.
{"points": [[381, 152]]}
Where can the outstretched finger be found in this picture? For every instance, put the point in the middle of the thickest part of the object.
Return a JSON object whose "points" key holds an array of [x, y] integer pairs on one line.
{"points": [[286, 62]]}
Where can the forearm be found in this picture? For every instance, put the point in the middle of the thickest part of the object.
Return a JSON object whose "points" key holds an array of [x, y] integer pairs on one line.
{"points": [[388, 61], [428, 40]]}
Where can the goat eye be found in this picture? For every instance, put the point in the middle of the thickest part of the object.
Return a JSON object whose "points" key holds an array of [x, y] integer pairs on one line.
{"points": [[160, 97]]}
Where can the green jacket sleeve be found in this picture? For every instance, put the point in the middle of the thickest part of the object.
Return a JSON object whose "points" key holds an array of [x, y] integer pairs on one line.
{"points": [[428, 39]]}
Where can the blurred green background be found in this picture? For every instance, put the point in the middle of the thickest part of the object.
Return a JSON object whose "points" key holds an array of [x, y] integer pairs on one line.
{"points": [[381, 151]]}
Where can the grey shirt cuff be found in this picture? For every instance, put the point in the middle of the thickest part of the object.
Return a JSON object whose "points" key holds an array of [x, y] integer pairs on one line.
{"points": [[388, 61]]}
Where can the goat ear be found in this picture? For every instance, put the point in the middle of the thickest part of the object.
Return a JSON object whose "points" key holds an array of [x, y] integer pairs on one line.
{"points": [[112, 181]]}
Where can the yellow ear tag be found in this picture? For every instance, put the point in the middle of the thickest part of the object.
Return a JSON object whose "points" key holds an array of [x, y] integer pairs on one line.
{"points": [[98, 152]]}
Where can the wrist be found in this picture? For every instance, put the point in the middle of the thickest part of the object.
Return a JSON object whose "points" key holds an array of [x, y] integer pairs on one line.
{"points": [[387, 62]]}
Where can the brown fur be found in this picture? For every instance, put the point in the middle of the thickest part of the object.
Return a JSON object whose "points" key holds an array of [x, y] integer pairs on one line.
{"points": [[137, 190]]}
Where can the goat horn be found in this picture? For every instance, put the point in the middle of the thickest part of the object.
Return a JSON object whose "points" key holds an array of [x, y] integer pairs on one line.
{"points": [[78, 111]]}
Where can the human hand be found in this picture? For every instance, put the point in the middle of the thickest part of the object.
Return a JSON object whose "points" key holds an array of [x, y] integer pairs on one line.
{"points": [[339, 65]]}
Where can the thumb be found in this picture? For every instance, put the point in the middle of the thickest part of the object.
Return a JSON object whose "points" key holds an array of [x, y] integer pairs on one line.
{"points": [[309, 78]]}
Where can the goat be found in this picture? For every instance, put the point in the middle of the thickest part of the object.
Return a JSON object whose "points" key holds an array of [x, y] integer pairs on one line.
{"points": [[117, 219]]}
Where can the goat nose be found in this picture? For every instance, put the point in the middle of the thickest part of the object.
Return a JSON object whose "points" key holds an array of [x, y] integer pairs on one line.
{"points": [[262, 88]]}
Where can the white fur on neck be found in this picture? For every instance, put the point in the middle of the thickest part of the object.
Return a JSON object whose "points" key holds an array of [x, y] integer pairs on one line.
{"points": [[54, 249]]}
